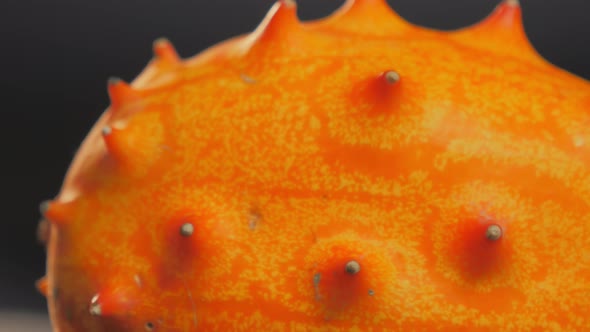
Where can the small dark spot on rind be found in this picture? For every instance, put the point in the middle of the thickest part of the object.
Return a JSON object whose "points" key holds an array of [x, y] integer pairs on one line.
{"points": [[149, 326], [69, 314], [316, 285], [371, 292], [316, 279], [254, 218], [247, 79]]}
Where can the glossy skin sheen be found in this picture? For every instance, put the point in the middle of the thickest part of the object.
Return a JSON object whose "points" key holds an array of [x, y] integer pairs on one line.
{"points": [[356, 173]]}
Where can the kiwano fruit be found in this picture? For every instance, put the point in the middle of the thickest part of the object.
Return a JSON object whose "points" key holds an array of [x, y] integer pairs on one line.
{"points": [[355, 173]]}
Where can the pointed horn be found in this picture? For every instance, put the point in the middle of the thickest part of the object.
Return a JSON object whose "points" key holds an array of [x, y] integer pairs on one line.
{"points": [[136, 144], [165, 52], [112, 301], [280, 25], [42, 286], [506, 16], [380, 93], [57, 213], [502, 31], [121, 93], [114, 143], [368, 16]]}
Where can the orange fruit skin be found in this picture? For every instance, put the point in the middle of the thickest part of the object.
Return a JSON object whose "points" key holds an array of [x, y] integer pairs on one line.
{"points": [[231, 191]]}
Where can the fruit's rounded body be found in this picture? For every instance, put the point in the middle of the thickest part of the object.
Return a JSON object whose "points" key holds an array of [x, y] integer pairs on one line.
{"points": [[352, 174]]}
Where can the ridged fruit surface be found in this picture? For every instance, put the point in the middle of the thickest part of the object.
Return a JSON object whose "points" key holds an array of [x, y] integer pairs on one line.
{"points": [[355, 173]]}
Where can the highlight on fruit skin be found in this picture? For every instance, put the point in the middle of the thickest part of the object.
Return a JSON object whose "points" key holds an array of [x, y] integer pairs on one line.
{"points": [[352, 173]]}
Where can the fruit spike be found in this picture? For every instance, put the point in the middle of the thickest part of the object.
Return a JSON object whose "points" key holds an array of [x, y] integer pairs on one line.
{"points": [[351, 173], [115, 144], [119, 306], [121, 94], [278, 28], [42, 286], [112, 301], [368, 16], [56, 212], [165, 52], [182, 244], [339, 285], [502, 31], [478, 249], [380, 93]]}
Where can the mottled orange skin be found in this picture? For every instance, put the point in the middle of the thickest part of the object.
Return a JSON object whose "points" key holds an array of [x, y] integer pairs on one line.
{"points": [[291, 154]]}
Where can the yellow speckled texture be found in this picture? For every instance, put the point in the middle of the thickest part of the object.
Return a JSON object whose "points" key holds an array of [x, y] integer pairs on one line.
{"points": [[291, 155]]}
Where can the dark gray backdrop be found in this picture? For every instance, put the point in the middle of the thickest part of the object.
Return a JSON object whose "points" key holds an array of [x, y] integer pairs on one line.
{"points": [[56, 56]]}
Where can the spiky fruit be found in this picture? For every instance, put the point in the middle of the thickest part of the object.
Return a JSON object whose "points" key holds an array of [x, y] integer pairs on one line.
{"points": [[356, 173]]}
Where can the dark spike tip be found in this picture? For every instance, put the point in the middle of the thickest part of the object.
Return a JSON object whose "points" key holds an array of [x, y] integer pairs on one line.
{"points": [[149, 326], [107, 130], [187, 229], [391, 76], [44, 206], [352, 267], [493, 232], [161, 42], [164, 50], [112, 81]]}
